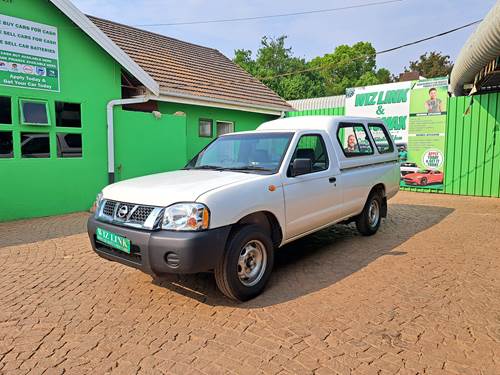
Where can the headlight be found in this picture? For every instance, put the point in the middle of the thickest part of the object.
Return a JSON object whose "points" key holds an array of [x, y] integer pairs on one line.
{"points": [[98, 199], [97, 202], [186, 216]]}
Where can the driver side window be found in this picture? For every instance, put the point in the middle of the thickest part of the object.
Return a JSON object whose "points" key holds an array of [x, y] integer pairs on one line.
{"points": [[312, 147]]}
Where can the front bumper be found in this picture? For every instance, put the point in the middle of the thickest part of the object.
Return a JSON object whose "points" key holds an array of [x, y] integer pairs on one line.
{"points": [[162, 252]]}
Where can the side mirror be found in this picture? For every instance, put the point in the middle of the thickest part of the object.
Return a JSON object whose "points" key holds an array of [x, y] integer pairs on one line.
{"points": [[301, 166]]}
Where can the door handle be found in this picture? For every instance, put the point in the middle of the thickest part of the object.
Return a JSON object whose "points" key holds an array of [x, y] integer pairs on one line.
{"points": [[332, 180]]}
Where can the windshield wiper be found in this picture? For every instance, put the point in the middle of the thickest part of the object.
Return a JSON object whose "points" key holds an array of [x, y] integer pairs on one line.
{"points": [[251, 168], [213, 167]]}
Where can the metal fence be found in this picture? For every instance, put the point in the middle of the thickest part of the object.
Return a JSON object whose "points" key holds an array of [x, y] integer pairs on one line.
{"points": [[472, 165]]}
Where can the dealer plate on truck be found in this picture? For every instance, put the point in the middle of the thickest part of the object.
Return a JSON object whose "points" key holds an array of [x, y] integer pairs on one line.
{"points": [[113, 240]]}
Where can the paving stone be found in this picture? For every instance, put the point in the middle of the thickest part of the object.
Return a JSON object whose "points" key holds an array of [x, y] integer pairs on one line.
{"points": [[421, 296]]}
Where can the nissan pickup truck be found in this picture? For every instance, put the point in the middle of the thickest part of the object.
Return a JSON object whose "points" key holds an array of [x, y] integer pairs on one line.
{"points": [[247, 194]]}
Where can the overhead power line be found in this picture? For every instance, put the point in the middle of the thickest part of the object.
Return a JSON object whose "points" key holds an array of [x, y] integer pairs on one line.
{"points": [[240, 19], [223, 20], [325, 66]]}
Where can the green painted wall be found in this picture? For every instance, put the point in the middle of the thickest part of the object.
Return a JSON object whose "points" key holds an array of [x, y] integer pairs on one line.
{"points": [[339, 111], [242, 121], [38, 187], [472, 164], [89, 76], [146, 145]]}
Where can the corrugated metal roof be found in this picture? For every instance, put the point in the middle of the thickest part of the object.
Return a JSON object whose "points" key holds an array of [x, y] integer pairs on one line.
{"points": [[318, 103], [482, 47]]}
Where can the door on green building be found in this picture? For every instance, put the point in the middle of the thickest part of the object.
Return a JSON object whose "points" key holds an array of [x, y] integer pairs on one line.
{"points": [[145, 144]]}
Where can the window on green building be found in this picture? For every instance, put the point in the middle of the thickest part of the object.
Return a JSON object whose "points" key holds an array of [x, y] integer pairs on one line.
{"points": [[69, 145], [224, 127], [68, 115], [205, 128], [34, 112], [6, 145], [5, 110], [35, 145]]}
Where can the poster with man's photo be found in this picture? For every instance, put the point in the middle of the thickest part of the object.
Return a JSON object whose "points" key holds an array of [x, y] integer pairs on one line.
{"points": [[422, 163]]}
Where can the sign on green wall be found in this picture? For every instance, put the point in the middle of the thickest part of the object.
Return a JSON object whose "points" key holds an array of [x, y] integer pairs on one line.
{"points": [[29, 55], [426, 133]]}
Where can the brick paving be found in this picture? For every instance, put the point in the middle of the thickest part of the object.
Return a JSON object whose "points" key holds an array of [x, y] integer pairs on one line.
{"points": [[420, 297]]}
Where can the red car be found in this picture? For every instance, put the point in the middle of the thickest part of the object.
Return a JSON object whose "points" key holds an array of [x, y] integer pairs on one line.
{"points": [[424, 177]]}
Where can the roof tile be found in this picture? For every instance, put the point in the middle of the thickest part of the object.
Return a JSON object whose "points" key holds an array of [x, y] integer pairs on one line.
{"points": [[186, 68]]}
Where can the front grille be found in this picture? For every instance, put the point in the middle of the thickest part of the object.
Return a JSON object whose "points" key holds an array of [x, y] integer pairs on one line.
{"points": [[137, 216], [141, 214], [109, 208]]}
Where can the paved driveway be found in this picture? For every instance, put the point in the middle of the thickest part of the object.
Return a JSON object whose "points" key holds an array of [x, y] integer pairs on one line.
{"points": [[422, 296]]}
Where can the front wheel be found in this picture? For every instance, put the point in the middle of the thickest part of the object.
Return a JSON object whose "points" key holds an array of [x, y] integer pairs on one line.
{"points": [[247, 263], [368, 221]]}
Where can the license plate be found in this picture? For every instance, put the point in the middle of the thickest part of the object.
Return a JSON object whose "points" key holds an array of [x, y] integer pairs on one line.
{"points": [[113, 240]]}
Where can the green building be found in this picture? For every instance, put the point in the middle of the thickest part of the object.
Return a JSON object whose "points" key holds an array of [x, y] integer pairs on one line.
{"points": [[85, 101]]}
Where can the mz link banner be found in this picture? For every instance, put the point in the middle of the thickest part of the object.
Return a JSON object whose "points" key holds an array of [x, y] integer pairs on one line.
{"points": [[29, 56]]}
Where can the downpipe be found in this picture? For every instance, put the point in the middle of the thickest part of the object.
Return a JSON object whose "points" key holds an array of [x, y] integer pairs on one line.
{"points": [[111, 133]]}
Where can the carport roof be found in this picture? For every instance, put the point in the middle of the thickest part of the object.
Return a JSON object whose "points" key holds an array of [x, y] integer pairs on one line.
{"points": [[188, 70]]}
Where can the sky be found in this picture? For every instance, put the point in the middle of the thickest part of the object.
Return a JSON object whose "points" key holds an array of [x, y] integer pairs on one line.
{"points": [[385, 26]]}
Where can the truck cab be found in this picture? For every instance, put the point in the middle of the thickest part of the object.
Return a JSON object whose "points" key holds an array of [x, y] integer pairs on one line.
{"points": [[247, 194]]}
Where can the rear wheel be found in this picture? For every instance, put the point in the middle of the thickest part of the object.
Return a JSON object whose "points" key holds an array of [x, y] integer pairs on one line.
{"points": [[368, 221], [246, 266]]}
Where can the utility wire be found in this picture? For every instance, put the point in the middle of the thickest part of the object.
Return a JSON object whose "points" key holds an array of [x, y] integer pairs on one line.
{"points": [[223, 20], [321, 67]]}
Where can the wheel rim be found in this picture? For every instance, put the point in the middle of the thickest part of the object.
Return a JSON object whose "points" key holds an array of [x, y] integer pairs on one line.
{"points": [[373, 213], [252, 263]]}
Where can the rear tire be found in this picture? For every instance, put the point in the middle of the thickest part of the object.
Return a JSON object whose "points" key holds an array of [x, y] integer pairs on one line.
{"points": [[368, 221], [246, 266]]}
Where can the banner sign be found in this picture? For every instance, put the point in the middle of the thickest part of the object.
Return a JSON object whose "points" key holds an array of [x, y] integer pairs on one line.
{"points": [[390, 102], [415, 113], [29, 54], [426, 134]]}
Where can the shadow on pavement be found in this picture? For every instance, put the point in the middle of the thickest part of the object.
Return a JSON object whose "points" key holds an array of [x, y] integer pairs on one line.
{"points": [[23, 232], [321, 259]]}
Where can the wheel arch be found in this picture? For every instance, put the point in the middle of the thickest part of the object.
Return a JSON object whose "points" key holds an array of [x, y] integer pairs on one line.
{"points": [[265, 219], [380, 189]]}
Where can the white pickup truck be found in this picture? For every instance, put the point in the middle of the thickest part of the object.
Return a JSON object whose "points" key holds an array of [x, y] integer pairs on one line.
{"points": [[247, 194]]}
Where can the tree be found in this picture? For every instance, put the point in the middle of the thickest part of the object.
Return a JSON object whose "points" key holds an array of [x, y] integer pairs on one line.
{"points": [[430, 65], [273, 60], [350, 66], [295, 78]]}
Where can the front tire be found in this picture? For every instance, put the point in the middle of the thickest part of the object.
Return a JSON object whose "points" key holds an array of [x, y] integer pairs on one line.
{"points": [[368, 221], [246, 266]]}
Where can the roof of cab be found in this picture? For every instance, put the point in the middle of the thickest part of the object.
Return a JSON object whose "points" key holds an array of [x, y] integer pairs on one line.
{"points": [[326, 123]]}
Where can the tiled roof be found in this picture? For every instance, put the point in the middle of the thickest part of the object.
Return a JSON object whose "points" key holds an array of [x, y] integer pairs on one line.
{"points": [[188, 69]]}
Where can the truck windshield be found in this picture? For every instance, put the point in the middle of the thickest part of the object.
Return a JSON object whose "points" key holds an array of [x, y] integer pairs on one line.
{"points": [[250, 152]]}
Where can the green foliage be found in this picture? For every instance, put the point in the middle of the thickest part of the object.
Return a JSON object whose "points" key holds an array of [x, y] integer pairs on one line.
{"points": [[347, 66], [430, 65], [275, 59], [331, 74]]}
